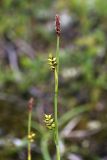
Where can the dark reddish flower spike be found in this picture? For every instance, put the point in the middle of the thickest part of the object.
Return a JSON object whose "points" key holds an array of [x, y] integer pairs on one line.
{"points": [[30, 104], [57, 23]]}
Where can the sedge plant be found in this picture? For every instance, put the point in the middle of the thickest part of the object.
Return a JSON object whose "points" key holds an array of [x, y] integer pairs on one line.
{"points": [[31, 135], [52, 123], [56, 72]]}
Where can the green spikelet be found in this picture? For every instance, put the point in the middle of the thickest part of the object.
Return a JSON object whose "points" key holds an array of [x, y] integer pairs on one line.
{"points": [[52, 62], [31, 136], [49, 121]]}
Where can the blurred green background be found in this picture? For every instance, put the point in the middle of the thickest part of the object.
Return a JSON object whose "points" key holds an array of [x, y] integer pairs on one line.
{"points": [[27, 36]]}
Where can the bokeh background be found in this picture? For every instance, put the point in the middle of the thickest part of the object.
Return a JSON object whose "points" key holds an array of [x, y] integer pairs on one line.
{"points": [[27, 36]]}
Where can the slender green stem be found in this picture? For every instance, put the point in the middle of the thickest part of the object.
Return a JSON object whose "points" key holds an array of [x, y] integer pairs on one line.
{"points": [[29, 130], [56, 102]]}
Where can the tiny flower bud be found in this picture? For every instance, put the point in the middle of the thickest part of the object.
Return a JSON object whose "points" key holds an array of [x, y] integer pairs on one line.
{"points": [[57, 25], [31, 136], [30, 104], [53, 125]]}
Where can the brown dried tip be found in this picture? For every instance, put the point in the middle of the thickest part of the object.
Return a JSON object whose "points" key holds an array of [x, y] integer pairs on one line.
{"points": [[57, 25], [30, 104]]}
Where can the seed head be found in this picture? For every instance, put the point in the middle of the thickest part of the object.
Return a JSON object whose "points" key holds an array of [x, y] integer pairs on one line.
{"points": [[57, 25], [30, 104]]}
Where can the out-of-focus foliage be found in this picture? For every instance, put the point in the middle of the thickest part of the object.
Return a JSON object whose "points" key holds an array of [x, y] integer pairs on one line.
{"points": [[27, 34]]}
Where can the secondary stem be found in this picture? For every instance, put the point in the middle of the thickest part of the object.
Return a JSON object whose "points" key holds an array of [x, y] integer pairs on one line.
{"points": [[29, 130], [56, 102]]}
